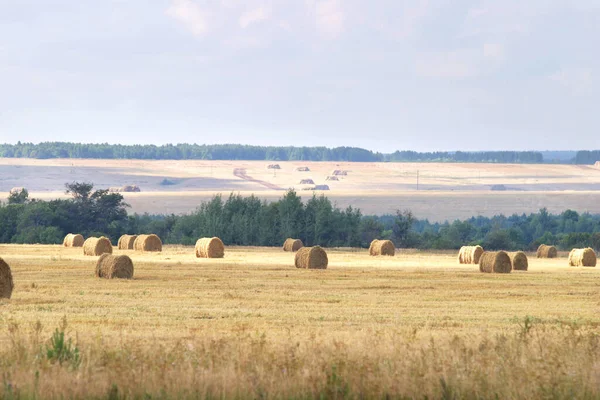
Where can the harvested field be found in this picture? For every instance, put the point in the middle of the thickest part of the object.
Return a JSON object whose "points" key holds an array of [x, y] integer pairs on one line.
{"points": [[447, 191], [244, 316]]}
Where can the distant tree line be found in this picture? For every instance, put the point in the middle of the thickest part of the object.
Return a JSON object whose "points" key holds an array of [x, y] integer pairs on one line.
{"points": [[244, 152], [587, 157], [239, 220]]}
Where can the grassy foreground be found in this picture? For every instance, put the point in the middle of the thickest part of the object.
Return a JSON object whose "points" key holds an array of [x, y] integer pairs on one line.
{"points": [[252, 326]]}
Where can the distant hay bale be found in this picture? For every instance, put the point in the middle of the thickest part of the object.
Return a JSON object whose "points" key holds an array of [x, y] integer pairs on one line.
{"points": [[519, 261], [321, 187], [339, 172], [582, 258], [126, 242], [292, 244], [73, 240], [311, 258], [303, 169], [470, 254], [495, 262], [210, 248], [332, 178], [111, 267], [382, 248], [307, 182], [6, 280], [273, 166], [147, 243], [97, 246], [130, 188], [597, 164], [545, 251]]}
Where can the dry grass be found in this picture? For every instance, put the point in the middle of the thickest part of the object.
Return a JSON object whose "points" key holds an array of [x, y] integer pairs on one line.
{"points": [[252, 325], [448, 191]]}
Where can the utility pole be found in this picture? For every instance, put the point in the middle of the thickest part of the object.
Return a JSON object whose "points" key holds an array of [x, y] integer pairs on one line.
{"points": [[417, 179]]}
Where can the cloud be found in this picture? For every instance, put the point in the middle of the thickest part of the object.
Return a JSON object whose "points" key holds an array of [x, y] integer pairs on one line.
{"points": [[254, 16], [579, 81], [191, 15], [329, 16], [493, 51], [446, 64]]}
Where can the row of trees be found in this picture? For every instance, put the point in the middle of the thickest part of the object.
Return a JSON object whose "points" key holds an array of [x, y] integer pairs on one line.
{"points": [[239, 220], [243, 152]]}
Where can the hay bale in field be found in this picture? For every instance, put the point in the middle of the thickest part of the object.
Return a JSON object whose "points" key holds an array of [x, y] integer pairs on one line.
{"points": [[470, 254], [130, 188], [597, 164], [311, 258], [382, 248], [273, 166], [210, 248], [519, 261], [545, 251], [582, 258], [303, 169], [339, 172], [307, 182], [495, 262], [126, 242], [73, 240], [292, 244], [321, 187], [147, 243], [111, 267], [6, 280], [332, 178], [97, 246]]}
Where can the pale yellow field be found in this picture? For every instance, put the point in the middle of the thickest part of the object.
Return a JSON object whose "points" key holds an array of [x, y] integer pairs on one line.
{"points": [[252, 325], [446, 191]]}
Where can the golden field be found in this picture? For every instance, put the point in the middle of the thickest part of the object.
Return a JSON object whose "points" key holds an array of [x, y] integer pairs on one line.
{"points": [[446, 190], [252, 326]]}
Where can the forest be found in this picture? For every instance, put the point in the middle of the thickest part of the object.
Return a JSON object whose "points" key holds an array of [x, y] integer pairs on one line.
{"points": [[250, 221], [47, 150]]}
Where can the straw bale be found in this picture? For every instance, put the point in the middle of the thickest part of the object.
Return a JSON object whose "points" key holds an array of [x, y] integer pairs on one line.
{"points": [[147, 243], [126, 242], [470, 254], [73, 240], [495, 262], [210, 248], [545, 251], [6, 280], [292, 244], [582, 258], [311, 258], [111, 267], [382, 248], [97, 246], [519, 261]]}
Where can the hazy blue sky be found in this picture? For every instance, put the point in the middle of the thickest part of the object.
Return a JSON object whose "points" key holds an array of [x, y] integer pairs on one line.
{"points": [[381, 74]]}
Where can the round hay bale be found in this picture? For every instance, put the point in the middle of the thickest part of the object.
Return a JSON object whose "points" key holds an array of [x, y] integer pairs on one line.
{"points": [[73, 240], [382, 248], [111, 267], [210, 248], [545, 251], [97, 246], [470, 254], [147, 243], [519, 261], [582, 258], [292, 244], [495, 262], [126, 242], [311, 258], [307, 182], [6, 280]]}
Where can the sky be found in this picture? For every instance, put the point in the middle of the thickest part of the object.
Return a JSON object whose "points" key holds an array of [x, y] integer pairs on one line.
{"points": [[384, 75]]}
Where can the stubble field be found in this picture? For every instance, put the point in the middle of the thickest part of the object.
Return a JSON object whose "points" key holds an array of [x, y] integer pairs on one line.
{"points": [[253, 326], [444, 190]]}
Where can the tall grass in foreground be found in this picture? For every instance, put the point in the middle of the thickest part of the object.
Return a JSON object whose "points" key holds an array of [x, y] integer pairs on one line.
{"points": [[535, 360]]}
